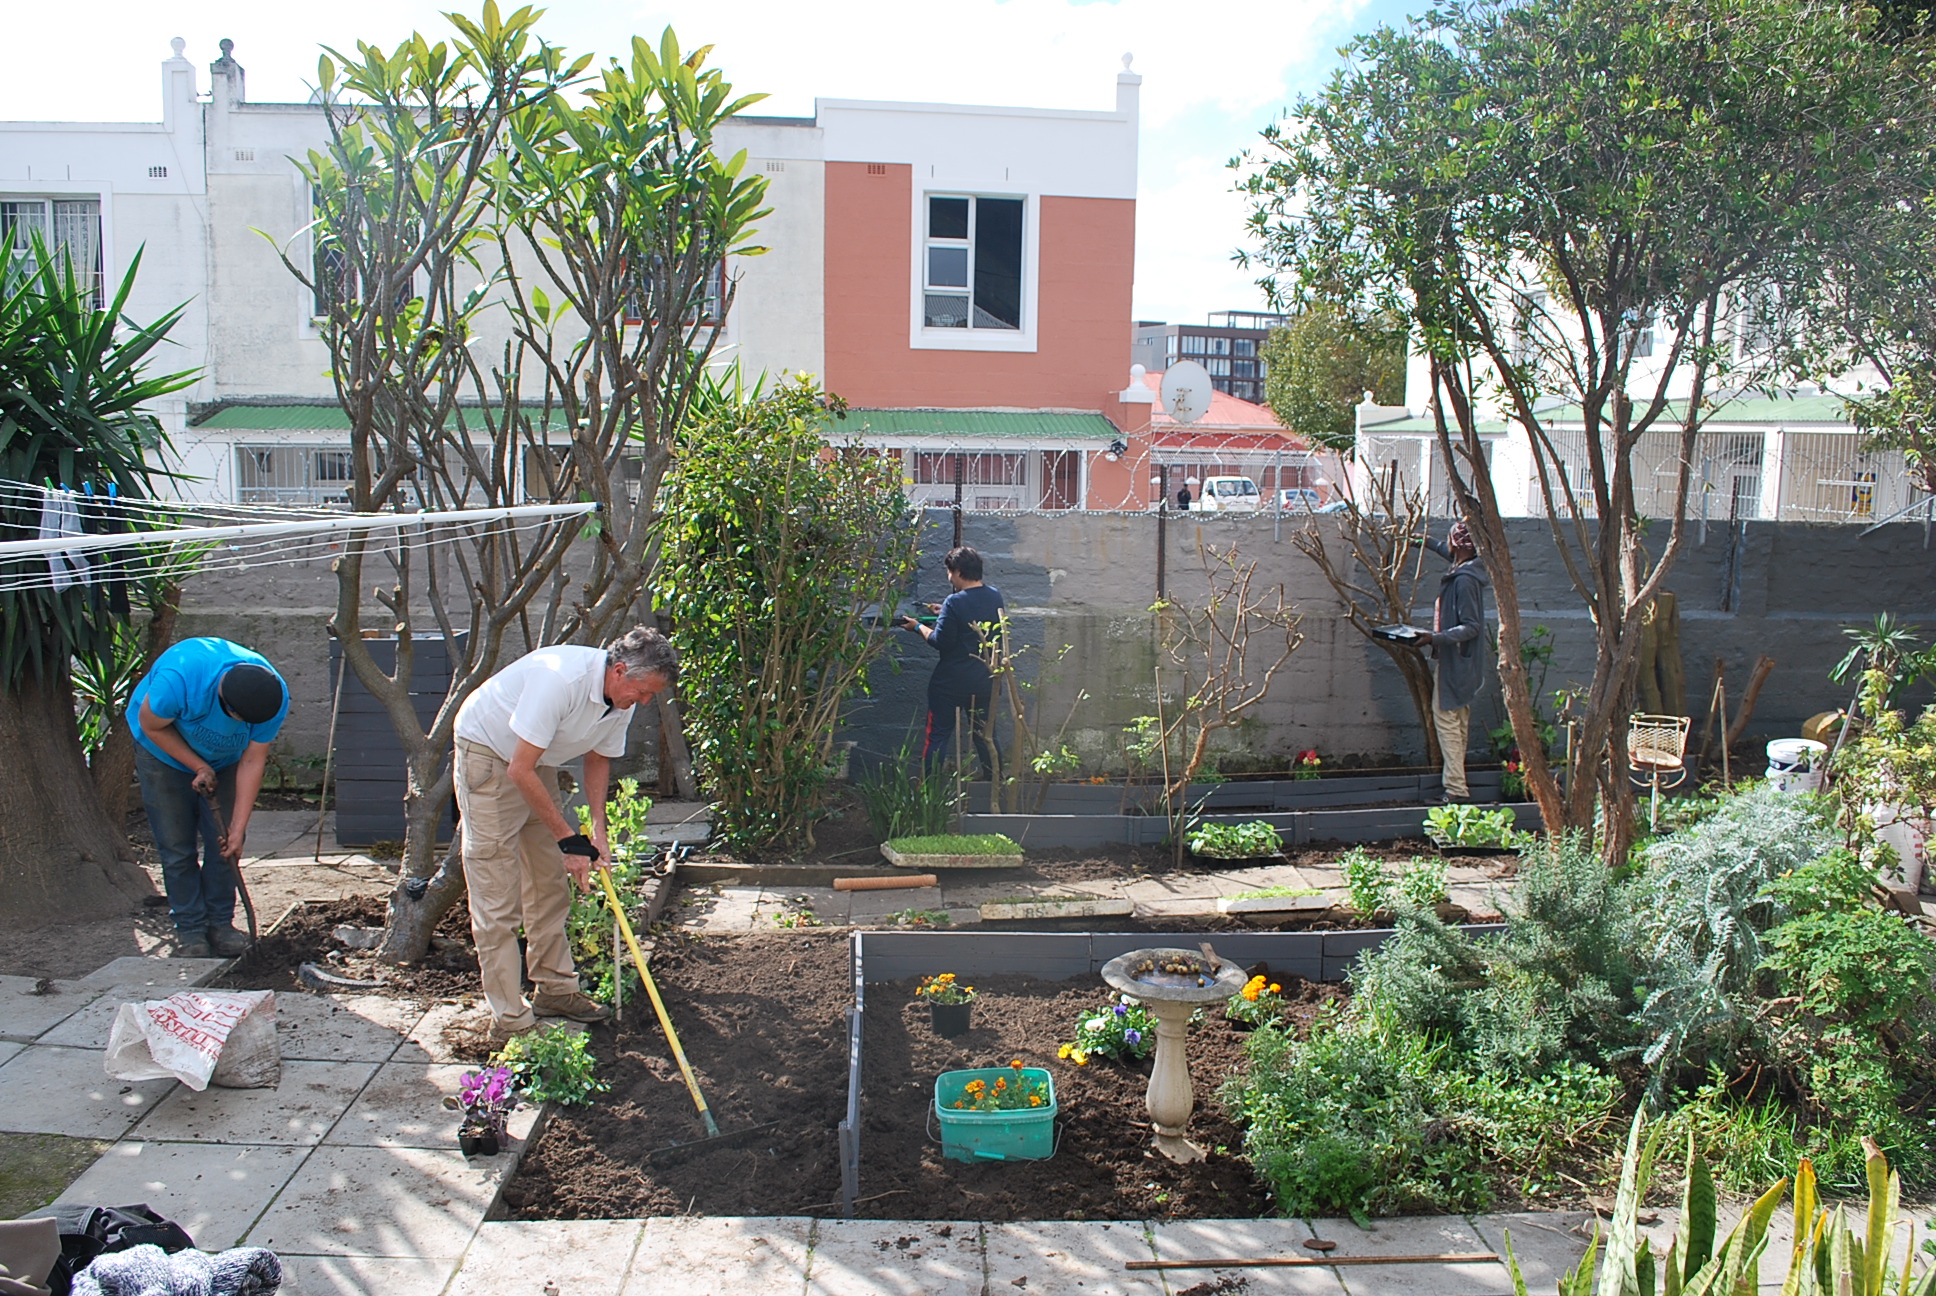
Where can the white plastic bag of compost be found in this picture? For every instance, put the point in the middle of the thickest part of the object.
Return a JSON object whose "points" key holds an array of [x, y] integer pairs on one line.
{"points": [[227, 1037]]}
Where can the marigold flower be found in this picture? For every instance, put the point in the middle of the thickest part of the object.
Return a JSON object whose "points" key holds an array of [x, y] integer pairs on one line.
{"points": [[1065, 1050], [1017, 1064], [1082, 1058], [1276, 988]]}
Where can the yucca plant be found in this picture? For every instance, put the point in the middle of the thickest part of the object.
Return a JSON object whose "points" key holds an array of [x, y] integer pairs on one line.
{"points": [[1829, 1258]]}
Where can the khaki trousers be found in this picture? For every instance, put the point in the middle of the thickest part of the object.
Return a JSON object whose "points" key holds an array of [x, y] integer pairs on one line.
{"points": [[514, 873], [1455, 729]]}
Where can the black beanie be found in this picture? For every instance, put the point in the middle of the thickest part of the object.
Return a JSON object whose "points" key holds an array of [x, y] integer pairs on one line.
{"points": [[253, 694]]}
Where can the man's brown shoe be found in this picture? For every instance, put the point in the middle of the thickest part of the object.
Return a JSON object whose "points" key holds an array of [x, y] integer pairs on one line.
{"points": [[498, 1036], [578, 1006]]}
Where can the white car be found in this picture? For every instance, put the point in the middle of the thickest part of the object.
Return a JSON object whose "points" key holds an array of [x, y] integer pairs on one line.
{"points": [[1228, 495], [1297, 499]]}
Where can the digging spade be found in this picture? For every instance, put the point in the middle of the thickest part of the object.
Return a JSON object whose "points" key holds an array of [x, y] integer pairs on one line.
{"points": [[235, 861]]}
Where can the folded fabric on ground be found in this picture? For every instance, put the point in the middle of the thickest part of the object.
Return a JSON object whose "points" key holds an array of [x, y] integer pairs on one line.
{"points": [[150, 1271], [28, 1249]]}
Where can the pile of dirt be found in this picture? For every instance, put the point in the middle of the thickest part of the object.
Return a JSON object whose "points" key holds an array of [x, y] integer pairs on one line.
{"points": [[763, 1022], [448, 971]]}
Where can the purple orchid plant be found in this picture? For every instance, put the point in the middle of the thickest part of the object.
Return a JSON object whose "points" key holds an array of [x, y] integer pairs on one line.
{"points": [[488, 1097]]}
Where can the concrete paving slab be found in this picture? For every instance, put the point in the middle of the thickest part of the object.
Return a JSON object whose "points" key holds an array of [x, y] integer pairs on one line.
{"points": [[873, 908], [215, 1191], [351, 1028], [583, 1257], [310, 1100], [1418, 1235], [1053, 1258], [45, 1090], [1236, 1239], [161, 977], [1545, 1243], [403, 1106], [26, 1013], [401, 1202], [732, 909], [721, 1256], [896, 1258], [427, 1040], [89, 1028], [304, 1275], [8, 1048]]}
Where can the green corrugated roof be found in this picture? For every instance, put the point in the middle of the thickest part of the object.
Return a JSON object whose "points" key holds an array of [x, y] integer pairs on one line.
{"points": [[993, 425], [277, 418]]}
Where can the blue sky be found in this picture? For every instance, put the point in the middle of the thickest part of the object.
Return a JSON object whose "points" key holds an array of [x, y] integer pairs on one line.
{"points": [[1213, 75]]}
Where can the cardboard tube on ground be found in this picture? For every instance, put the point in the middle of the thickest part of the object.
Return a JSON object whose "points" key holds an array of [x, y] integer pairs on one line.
{"points": [[886, 883]]}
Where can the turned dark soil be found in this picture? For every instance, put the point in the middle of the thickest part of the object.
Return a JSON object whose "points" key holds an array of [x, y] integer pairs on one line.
{"points": [[449, 970], [763, 1022]]}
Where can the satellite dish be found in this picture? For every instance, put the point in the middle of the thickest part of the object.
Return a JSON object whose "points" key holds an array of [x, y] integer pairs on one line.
{"points": [[1186, 391]]}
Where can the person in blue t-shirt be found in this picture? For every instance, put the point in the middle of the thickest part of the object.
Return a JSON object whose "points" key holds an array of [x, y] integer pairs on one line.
{"points": [[961, 681], [203, 719]]}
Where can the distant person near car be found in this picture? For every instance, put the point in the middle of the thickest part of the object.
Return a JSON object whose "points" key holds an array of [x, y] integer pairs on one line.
{"points": [[962, 682], [203, 718]]}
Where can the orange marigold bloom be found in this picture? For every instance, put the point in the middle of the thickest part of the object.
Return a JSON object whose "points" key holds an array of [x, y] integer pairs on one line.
{"points": [[1017, 1064], [1275, 988]]}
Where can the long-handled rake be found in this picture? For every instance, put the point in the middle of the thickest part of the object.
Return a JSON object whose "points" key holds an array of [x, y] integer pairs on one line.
{"points": [[713, 1137]]}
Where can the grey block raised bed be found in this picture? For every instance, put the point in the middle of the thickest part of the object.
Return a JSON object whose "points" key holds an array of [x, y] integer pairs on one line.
{"points": [[1241, 795], [1060, 956], [1297, 827]]}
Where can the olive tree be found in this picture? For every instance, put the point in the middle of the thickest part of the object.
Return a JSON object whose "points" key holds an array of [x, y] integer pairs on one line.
{"points": [[520, 275], [1533, 187]]}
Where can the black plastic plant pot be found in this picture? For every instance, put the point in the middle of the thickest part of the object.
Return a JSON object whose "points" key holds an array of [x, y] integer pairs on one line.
{"points": [[478, 1142], [950, 1019]]}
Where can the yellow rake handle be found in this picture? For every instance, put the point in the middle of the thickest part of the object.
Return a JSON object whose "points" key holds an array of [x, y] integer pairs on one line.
{"points": [[658, 1004]]}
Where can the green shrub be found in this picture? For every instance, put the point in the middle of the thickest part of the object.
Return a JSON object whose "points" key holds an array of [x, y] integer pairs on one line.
{"points": [[553, 1064], [1423, 884], [1471, 825], [1703, 901], [588, 926]]}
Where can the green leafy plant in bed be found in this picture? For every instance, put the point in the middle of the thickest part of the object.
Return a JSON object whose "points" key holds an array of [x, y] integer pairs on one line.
{"points": [[1235, 841], [553, 1064], [1471, 825], [589, 924], [991, 844]]}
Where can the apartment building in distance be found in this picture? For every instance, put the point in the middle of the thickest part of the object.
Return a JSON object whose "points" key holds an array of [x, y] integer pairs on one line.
{"points": [[961, 275], [1229, 344]]}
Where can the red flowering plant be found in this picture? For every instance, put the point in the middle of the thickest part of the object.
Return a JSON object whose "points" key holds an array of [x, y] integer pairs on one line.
{"points": [[487, 1098], [1308, 764]]}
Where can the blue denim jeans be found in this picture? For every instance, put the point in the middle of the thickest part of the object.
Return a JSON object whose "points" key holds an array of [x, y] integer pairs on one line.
{"points": [[201, 894]]}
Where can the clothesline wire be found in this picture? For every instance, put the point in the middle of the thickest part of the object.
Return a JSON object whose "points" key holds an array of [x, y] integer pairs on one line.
{"points": [[279, 551]]}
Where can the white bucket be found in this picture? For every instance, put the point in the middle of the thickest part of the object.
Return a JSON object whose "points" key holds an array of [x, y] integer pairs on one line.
{"points": [[1795, 764]]}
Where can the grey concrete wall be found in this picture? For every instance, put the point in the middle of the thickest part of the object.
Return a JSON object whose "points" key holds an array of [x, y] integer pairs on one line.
{"points": [[1087, 581]]}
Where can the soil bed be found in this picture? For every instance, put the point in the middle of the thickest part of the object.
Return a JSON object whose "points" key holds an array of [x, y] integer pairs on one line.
{"points": [[762, 1019], [449, 970]]}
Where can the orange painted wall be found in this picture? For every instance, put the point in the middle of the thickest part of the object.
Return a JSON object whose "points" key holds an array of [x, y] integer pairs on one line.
{"points": [[1088, 251]]}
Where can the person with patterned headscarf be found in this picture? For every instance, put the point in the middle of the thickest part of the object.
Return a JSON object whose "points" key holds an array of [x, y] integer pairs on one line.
{"points": [[1458, 645]]}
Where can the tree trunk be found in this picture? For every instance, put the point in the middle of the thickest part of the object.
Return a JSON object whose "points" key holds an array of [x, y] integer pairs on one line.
{"points": [[409, 923], [61, 858]]}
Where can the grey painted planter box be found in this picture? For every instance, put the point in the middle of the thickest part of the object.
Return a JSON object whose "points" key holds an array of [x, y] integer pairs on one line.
{"points": [[1297, 827], [1241, 795], [878, 956], [367, 767]]}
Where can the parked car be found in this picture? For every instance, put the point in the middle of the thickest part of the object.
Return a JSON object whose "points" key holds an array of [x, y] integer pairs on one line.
{"points": [[1228, 495], [1297, 499]]}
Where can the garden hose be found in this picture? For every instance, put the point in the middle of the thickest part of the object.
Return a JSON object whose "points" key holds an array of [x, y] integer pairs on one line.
{"points": [[658, 1004]]}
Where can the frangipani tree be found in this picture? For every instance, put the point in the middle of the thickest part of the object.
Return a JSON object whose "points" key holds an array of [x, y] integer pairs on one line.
{"points": [[521, 275]]}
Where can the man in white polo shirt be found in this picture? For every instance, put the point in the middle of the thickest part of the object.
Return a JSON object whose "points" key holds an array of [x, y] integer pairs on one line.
{"points": [[542, 710]]}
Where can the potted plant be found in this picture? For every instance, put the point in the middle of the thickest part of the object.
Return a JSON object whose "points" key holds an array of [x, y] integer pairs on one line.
{"points": [[950, 1003], [487, 1098], [1308, 765]]}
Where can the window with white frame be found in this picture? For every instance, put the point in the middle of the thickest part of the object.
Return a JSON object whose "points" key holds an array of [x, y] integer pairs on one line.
{"points": [[69, 227], [973, 263]]}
